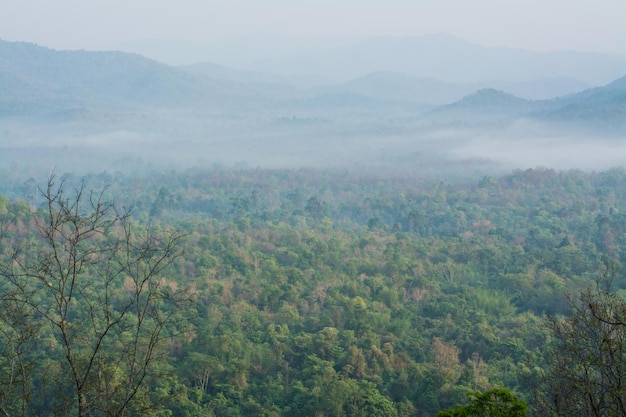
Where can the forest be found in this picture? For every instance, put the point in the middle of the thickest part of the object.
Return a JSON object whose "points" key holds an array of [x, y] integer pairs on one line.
{"points": [[310, 292]]}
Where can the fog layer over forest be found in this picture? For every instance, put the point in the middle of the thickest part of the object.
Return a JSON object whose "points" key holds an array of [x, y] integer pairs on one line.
{"points": [[349, 233], [94, 111]]}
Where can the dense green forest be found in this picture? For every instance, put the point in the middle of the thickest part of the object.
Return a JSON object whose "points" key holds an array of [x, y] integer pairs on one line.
{"points": [[295, 292]]}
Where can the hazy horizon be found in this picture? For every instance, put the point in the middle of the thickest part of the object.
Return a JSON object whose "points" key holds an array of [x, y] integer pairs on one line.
{"points": [[533, 25], [321, 106]]}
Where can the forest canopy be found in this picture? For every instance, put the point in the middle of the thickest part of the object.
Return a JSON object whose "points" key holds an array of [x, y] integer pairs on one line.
{"points": [[306, 292]]}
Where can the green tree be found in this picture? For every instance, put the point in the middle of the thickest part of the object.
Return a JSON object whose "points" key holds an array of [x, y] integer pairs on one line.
{"points": [[17, 339], [367, 401], [91, 279], [315, 207], [498, 402]]}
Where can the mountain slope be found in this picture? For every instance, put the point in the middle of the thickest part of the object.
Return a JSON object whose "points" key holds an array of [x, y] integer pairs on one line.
{"points": [[450, 59], [429, 92], [79, 85], [541, 89], [484, 107], [603, 107], [401, 88], [265, 84], [600, 108], [35, 78]]}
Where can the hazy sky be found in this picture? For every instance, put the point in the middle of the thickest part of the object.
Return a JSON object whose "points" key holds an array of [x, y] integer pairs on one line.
{"points": [[532, 24]]}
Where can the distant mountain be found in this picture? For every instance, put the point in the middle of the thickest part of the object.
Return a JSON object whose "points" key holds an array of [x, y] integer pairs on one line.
{"points": [[540, 89], [212, 70], [618, 85], [265, 84], [218, 71], [400, 88], [104, 87], [36, 79], [447, 58], [235, 52], [490, 99], [614, 90], [487, 106], [600, 108], [429, 92], [342, 99]]}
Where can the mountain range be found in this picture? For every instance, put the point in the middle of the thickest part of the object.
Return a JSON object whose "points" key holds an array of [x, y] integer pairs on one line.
{"points": [[335, 60], [39, 81], [448, 58]]}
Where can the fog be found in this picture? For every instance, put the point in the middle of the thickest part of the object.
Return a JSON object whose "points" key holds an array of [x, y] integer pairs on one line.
{"points": [[89, 112], [325, 138], [528, 24]]}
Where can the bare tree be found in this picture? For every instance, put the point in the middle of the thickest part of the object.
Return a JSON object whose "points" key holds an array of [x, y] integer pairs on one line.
{"points": [[94, 279], [587, 365]]}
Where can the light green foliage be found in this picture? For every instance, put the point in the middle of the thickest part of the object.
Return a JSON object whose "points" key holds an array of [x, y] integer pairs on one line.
{"points": [[304, 305], [86, 277]]}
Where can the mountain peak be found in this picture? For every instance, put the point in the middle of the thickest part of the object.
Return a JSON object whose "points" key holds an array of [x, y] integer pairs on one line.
{"points": [[491, 97]]}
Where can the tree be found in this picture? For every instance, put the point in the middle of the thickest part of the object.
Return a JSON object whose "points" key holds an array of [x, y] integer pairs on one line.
{"points": [[91, 278], [315, 207], [17, 337], [367, 401], [498, 402], [587, 364]]}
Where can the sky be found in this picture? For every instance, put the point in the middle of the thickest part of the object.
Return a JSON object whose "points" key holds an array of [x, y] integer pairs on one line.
{"points": [[596, 25]]}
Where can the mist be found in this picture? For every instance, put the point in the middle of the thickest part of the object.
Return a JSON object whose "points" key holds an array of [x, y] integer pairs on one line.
{"points": [[323, 139], [82, 112]]}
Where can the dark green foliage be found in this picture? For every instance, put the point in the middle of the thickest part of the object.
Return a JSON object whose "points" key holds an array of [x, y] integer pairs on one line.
{"points": [[493, 403]]}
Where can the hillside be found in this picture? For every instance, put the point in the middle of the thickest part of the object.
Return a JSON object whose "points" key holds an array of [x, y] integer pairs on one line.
{"points": [[35, 78], [401, 88], [447, 58], [483, 108], [600, 108], [491, 100], [38, 79]]}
